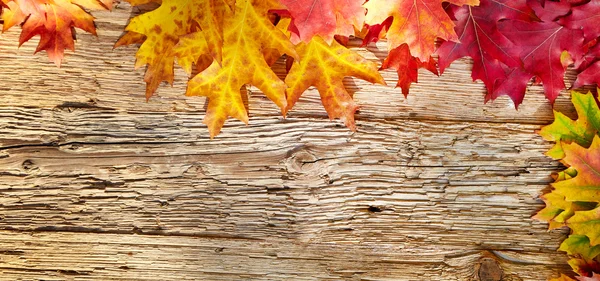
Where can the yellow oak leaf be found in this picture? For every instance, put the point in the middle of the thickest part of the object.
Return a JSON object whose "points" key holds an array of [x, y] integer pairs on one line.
{"points": [[248, 36], [565, 130], [324, 66], [192, 49], [162, 29]]}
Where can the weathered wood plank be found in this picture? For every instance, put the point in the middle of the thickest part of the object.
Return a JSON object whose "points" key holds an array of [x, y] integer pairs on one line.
{"points": [[84, 256], [97, 184]]}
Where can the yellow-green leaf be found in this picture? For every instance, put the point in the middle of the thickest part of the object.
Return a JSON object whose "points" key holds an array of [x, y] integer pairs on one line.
{"points": [[580, 131], [579, 245]]}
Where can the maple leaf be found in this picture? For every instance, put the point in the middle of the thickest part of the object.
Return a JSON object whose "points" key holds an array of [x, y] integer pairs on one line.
{"points": [[407, 66], [248, 34], [324, 66], [324, 18], [557, 210], [417, 23], [491, 51], [584, 268], [584, 187], [52, 21], [579, 245], [541, 46], [580, 131], [162, 29]]}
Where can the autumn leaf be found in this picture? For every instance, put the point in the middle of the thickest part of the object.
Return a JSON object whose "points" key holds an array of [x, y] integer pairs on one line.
{"points": [[417, 23], [52, 21], [162, 29], [579, 245], [492, 53], [248, 34], [324, 18], [580, 131], [557, 210], [192, 49], [324, 66], [407, 66], [584, 17], [585, 268], [574, 200], [541, 46]]}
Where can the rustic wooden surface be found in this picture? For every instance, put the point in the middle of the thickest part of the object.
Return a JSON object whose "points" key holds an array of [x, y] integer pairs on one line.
{"points": [[97, 184]]}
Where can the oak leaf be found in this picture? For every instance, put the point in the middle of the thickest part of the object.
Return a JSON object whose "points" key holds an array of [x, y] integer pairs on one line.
{"points": [[324, 66], [53, 21], [324, 18], [161, 29], [417, 23], [407, 66], [584, 17], [480, 39], [248, 35], [541, 46]]}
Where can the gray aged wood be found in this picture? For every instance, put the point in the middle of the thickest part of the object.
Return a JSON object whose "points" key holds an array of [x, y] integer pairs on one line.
{"points": [[97, 184]]}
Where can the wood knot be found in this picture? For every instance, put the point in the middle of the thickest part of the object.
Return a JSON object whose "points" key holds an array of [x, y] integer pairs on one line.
{"points": [[302, 161], [489, 270], [28, 165]]}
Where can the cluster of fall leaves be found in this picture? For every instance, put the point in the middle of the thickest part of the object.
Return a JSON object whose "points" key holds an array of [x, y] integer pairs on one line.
{"points": [[575, 196], [225, 45]]}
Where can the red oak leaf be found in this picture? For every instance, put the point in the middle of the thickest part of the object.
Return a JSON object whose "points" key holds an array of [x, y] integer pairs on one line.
{"points": [[376, 31], [589, 66], [406, 66], [585, 17], [480, 39], [541, 46], [325, 18]]}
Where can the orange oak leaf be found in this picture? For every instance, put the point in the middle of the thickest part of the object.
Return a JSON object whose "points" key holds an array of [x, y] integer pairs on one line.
{"points": [[417, 23], [162, 29], [324, 66], [407, 66], [325, 18], [248, 35], [53, 21]]}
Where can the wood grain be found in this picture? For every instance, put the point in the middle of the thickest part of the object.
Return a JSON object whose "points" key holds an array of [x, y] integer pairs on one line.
{"points": [[97, 184]]}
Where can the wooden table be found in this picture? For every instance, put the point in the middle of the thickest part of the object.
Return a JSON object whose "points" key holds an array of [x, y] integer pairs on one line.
{"points": [[98, 184]]}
